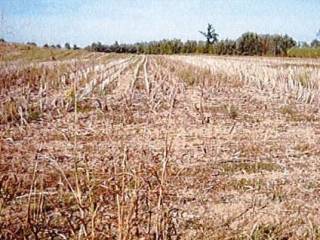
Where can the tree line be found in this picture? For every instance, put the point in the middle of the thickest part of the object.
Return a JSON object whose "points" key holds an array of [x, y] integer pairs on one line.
{"points": [[248, 44]]}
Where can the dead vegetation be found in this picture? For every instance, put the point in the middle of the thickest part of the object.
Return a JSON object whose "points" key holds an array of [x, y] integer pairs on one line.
{"points": [[155, 147]]}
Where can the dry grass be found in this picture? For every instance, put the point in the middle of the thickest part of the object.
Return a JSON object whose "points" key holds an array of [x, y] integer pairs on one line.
{"points": [[157, 147], [25, 53]]}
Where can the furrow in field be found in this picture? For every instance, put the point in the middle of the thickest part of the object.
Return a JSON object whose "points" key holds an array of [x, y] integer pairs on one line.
{"points": [[104, 75], [297, 81]]}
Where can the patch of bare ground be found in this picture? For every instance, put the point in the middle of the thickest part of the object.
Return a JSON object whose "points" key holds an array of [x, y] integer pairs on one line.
{"points": [[156, 147]]}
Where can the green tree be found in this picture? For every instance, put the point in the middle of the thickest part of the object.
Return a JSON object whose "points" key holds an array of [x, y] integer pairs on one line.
{"points": [[249, 44], [67, 46], [202, 47], [115, 47], [226, 47], [75, 47], [32, 44], [285, 44], [189, 47], [315, 43], [210, 35], [303, 45]]}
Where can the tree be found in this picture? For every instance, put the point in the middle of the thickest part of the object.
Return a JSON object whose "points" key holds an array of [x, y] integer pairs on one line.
{"points": [[285, 44], [303, 45], [75, 47], [225, 47], [46, 45], [32, 44], [67, 46], [315, 43], [139, 48], [318, 34], [189, 47], [249, 44], [58, 46], [211, 35], [115, 47]]}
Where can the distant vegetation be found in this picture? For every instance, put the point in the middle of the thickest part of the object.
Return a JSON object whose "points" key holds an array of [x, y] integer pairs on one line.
{"points": [[248, 44], [305, 50], [310, 52], [30, 52]]}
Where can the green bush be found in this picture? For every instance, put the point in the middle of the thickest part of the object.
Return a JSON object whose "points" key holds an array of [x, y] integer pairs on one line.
{"points": [[306, 52]]}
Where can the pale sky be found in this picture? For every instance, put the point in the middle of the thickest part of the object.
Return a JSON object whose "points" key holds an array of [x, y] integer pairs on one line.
{"points": [[86, 21]]}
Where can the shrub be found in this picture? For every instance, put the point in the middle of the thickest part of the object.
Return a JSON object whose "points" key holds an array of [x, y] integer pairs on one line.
{"points": [[306, 52]]}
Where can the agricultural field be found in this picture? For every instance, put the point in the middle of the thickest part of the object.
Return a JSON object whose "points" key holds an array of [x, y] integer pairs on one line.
{"points": [[120, 146]]}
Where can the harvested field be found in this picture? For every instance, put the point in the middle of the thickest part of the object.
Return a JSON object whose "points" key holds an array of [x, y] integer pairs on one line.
{"points": [[160, 147]]}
